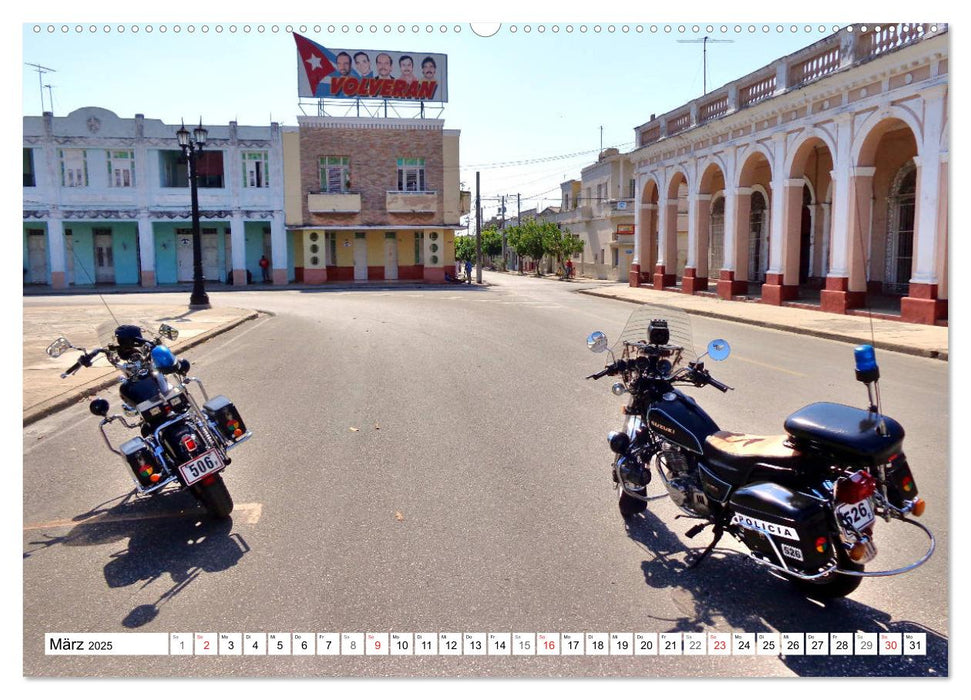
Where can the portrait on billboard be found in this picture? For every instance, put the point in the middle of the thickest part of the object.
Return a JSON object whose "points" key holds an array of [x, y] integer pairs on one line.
{"points": [[364, 74]]}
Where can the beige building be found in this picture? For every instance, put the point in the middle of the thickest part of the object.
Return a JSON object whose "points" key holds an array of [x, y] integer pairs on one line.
{"points": [[372, 198], [820, 179], [599, 209]]}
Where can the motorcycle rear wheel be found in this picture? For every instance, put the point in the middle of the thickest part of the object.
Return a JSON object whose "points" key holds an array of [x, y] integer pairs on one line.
{"points": [[833, 586], [214, 497]]}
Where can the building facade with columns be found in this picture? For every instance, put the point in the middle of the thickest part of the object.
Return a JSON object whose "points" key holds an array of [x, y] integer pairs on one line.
{"points": [[372, 198], [820, 179], [106, 200]]}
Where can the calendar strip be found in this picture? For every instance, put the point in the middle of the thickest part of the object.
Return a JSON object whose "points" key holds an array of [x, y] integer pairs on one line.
{"points": [[512, 644]]}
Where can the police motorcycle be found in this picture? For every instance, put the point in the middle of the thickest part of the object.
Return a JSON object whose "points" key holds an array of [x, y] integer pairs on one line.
{"points": [[804, 503], [179, 443]]}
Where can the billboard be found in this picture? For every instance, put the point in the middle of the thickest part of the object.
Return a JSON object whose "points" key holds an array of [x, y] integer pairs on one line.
{"points": [[368, 74]]}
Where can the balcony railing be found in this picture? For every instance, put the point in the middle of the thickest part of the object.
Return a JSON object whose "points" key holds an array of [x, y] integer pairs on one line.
{"points": [[815, 67], [398, 202], [334, 202], [836, 52]]}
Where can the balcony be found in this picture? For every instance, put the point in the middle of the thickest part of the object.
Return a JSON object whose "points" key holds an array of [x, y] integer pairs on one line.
{"points": [[620, 207], [334, 203], [411, 202], [840, 51]]}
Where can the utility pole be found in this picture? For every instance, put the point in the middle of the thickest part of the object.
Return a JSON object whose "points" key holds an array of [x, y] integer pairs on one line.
{"points": [[478, 229], [704, 57], [502, 227]]}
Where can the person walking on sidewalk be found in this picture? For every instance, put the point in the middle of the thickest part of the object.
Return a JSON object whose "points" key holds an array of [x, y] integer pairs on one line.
{"points": [[569, 269], [265, 268], [468, 271]]}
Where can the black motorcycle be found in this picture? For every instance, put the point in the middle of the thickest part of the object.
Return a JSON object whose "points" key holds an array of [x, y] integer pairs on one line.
{"points": [[179, 444], [804, 503]]}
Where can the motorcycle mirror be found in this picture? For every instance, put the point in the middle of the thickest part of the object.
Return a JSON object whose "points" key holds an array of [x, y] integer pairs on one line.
{"points": [[597, 341], [99, 407], [166, 331], [618, 389], [57, 348], [719, 350]]}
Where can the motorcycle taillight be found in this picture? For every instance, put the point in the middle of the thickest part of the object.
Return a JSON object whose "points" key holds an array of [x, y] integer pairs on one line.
{"points": [[856, 487], [189, 443]]}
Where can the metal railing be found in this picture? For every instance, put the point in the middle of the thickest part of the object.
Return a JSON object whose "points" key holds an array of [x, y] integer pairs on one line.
{"points": [[840, 51]]}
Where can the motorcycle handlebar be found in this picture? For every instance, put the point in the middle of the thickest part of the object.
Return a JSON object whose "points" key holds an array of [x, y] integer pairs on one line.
{"points": [[718, 385], [83, 361], [604, 373]]}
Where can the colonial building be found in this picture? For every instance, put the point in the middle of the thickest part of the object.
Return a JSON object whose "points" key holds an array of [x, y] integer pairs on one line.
{"points": [[373, 198], [599, 208], [106, 200], [819, 179]]}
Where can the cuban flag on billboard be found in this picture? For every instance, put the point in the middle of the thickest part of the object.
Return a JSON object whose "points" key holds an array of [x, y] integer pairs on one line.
{"points": [[317, 64]]}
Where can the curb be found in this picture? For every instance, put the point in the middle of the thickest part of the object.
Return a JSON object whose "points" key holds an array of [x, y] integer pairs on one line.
{"points": [[881, 345], [44, 409]]}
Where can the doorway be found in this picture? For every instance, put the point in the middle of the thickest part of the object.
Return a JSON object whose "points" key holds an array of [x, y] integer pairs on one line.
{"points": [[360, 256], [390, 256], [104, 261]]}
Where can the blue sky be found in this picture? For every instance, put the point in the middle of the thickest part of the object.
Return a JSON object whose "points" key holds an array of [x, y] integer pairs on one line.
{"points": [[533, 91]]}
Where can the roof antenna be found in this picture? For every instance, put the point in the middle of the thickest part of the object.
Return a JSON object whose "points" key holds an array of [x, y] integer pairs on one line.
{"points": [[40, 78], [704, 56]]}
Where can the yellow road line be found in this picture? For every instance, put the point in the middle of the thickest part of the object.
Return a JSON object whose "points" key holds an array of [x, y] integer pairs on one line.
{"points": [[768, 366]]}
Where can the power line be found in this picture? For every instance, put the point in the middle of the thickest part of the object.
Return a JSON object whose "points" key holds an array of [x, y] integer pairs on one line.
{"points": [[543, 159]]}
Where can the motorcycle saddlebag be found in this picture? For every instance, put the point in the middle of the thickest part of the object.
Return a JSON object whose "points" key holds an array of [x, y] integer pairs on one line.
{"points": [[142, 461], [901, 486], [796, 523], [223, 413]]}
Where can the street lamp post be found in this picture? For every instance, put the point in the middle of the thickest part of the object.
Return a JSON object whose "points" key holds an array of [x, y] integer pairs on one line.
{"points": [[191, 150]]}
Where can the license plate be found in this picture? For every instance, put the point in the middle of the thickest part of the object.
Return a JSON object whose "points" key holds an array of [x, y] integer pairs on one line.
{"points": [[205, 464], [859, 514]]}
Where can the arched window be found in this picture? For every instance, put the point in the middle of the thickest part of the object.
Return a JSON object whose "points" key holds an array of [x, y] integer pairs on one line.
{"points": [[900, 230]]}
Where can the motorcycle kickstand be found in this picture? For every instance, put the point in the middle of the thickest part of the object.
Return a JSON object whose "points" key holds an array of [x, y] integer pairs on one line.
{"points": [[718, 531]]}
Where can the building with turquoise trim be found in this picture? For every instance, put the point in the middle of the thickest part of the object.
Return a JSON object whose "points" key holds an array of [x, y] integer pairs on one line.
{"points": [[106, 201]]}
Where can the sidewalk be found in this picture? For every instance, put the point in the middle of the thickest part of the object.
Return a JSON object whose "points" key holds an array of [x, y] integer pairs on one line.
{"points": [[44, 392], [910, 338]]}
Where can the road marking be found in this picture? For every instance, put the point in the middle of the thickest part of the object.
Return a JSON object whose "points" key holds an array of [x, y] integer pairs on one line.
{"points": [[768, 366], [245, 513]]}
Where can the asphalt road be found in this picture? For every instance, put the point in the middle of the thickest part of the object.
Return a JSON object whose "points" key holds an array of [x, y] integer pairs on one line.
{"points": [[433, 461]]}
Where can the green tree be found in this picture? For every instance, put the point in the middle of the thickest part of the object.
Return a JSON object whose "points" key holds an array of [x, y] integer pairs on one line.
{"points": [[564, 245], [465, 248], [532, 239], [491, 242]]}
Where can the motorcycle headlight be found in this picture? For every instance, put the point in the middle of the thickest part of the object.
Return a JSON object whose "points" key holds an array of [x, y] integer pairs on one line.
{"points": [[619, 442]]}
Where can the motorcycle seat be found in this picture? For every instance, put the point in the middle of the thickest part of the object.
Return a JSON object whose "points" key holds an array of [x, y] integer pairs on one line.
{"points": [[739, 457]]}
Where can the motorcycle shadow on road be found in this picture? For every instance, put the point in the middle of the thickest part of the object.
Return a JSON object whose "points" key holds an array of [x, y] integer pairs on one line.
{"points": [[167, 535], [726, 592]]}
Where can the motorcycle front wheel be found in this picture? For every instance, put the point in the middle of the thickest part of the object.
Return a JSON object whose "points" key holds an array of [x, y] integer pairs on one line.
{"points": [[630, 506], [834, 585], [214, 497]]}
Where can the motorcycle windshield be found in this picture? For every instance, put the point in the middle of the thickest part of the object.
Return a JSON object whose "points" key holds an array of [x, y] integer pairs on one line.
{"points": [[679, 329]]}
